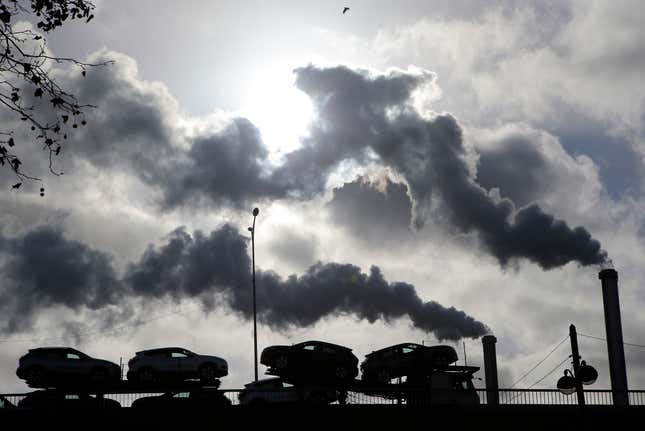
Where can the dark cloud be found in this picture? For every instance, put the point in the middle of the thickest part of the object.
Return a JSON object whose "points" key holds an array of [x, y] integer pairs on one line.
{"points": [[373, 212], [619, 162], [43, 269]]}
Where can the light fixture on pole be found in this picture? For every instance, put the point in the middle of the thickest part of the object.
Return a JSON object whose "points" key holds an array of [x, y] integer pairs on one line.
{"points": [[256, 211], [582, 374]]}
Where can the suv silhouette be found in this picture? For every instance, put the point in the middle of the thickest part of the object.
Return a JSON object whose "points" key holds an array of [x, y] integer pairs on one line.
{"points": [[311, 361], [50, 366], [274, 390], [175, 363], [406, 359]]}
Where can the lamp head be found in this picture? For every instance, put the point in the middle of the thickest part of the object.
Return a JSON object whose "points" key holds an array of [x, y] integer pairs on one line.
{"points": [[567, 383], [587, 374], [256, 211]]}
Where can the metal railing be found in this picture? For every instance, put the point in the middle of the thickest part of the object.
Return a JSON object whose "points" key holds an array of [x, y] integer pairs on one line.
{"points": [[507, 397]]}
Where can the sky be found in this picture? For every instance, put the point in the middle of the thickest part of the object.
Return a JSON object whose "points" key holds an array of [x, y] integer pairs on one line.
{"points": [[426, 171]]}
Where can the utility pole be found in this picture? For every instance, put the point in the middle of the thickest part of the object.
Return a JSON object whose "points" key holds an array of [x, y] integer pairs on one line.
{"points": [[575, 355]]}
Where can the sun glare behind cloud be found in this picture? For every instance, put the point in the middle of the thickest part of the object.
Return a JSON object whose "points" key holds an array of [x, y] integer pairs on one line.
{"points": [[278, 109]]}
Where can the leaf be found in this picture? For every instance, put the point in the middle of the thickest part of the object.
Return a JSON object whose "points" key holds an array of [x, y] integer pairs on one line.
{"points": [[16, 186], [5, 16], [38, 37], [14, 97], [10, 142], [26, 67], [65, 118], [49, 142], [57, 101], [16, 164], [83, 73], [58, 150], [38, 92], [89, 18]]}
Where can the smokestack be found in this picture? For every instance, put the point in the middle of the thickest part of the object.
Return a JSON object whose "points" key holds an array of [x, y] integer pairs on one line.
{"points": [[617, 373], [490, 369]]}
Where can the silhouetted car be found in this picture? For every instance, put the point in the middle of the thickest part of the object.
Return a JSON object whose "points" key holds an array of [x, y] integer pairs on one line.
{"points": [[451, 385], [406, 359], [275, 390], [51, 366], [311, 361], [55, 400], [202, 399], [175, 363]]}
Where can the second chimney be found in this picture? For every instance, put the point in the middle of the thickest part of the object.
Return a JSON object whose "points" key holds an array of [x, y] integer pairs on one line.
{"points": [[490, 369], [617, 372]]}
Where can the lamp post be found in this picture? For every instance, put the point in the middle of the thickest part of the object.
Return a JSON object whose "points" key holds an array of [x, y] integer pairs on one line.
{"points": [[256, 211], [582, 373]]}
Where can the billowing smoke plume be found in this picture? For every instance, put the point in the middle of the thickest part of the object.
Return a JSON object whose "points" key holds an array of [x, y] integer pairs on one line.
{"points": [[45, 269], [42, 269], [361, 116], [358, 112]]}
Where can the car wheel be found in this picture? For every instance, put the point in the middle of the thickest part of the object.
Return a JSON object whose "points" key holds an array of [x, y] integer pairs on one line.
{"points": [[281, 362], [147, 375], [207, 373], [35, 375], [383, 376], [98, 375]]}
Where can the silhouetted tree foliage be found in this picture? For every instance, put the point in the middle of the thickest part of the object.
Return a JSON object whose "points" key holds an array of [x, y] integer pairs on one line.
{"points": [[26, 78]]}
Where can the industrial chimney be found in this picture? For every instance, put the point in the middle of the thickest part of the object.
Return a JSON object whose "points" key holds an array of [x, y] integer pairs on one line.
{"points": [[617, 372], [490, 369]]}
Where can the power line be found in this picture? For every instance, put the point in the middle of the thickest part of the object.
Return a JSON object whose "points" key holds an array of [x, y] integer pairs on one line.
{"points": [[540, 380], [604, 339], [550, 372], [538, 364]]}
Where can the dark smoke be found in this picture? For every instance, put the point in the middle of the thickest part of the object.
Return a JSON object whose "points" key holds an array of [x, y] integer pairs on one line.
{"points": [[332, 289], [358, 111], [361, 116], [45, 269]]}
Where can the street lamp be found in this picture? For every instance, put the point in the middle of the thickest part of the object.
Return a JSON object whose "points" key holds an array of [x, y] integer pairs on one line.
{"points": [[582, 374], [256, 211]]}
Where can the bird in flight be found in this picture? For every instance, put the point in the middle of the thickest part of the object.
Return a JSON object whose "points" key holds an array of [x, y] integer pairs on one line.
{"points": [[345, 9]]}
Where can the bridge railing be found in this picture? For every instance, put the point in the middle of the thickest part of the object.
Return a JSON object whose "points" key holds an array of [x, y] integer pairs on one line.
{"points": [[389, 397]]}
